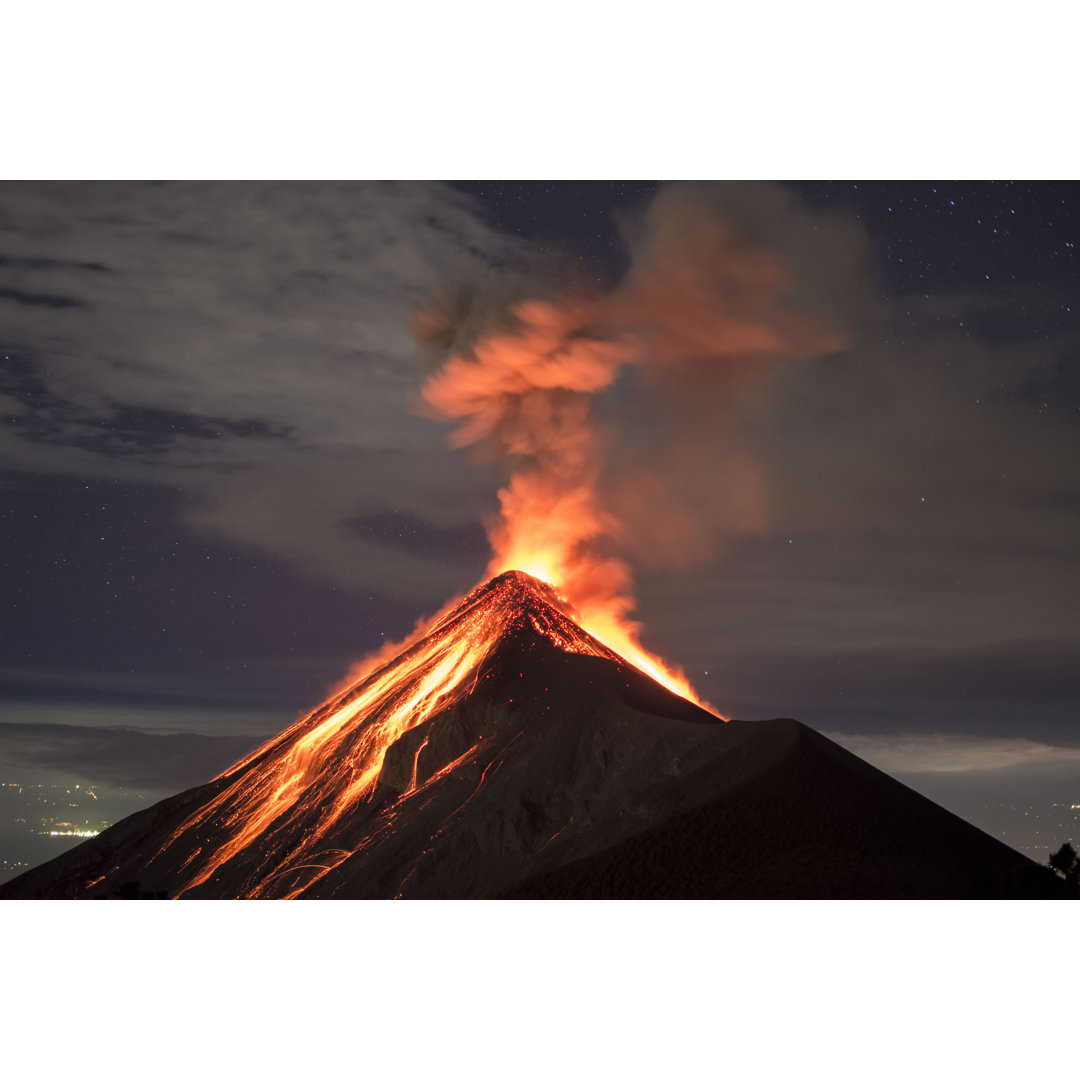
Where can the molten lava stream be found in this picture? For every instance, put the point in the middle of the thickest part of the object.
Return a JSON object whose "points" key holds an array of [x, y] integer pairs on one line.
{"points": [[322, 767], [338, 761]]}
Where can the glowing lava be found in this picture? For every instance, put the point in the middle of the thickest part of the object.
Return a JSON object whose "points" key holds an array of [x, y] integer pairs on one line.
{"points": [[291, 793]]}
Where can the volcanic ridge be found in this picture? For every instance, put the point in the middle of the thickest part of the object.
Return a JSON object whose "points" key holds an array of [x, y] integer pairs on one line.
{"points": [[509, 753]]}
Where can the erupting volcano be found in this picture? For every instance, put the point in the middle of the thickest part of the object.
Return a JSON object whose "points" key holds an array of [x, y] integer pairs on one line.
{"points": [[336, 785], [522, 742]]}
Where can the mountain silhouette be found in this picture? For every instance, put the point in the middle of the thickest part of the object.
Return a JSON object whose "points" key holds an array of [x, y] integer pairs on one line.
{"points": [[508, 753]]}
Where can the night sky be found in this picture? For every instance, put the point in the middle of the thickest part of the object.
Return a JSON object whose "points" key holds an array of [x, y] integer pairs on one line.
{"points": [[216, 490]]}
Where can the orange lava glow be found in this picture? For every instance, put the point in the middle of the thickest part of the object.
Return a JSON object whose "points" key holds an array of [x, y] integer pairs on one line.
{"points": [[327, 764]]}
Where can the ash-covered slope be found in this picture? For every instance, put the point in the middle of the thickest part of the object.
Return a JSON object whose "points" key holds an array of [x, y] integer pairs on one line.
{"points": [[509, 753]]}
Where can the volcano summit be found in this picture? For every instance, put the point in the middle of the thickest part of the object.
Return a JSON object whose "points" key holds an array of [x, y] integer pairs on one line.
{"points": [[509, 753]]}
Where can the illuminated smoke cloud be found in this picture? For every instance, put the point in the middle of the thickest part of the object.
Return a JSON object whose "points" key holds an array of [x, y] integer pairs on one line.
{"points": [[693, 331]]}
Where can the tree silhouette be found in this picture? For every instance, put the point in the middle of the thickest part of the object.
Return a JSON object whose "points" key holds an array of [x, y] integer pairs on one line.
{"points": [[1064, 861]]}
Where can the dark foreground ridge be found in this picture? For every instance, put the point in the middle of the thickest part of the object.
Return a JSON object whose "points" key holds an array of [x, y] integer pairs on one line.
{"points": [[556, 770]]}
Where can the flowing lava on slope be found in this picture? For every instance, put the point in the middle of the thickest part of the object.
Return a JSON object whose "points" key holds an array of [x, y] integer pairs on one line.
{"points": [[327, 764]]}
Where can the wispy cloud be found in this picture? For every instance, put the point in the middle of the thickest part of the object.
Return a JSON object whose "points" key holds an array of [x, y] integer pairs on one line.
{"points": [[154, 717], [940, 753], [248, 343], [119, 757]]}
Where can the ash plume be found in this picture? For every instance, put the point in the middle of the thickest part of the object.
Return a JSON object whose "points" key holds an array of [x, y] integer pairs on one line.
{"points": [[619, 413]]}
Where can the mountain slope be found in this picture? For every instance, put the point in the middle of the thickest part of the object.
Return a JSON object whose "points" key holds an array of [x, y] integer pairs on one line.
{"points": [[800, 817], [509, 753]]}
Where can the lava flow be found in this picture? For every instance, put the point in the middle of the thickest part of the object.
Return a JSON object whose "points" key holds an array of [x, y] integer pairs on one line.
{"points": [[293, 792]]}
